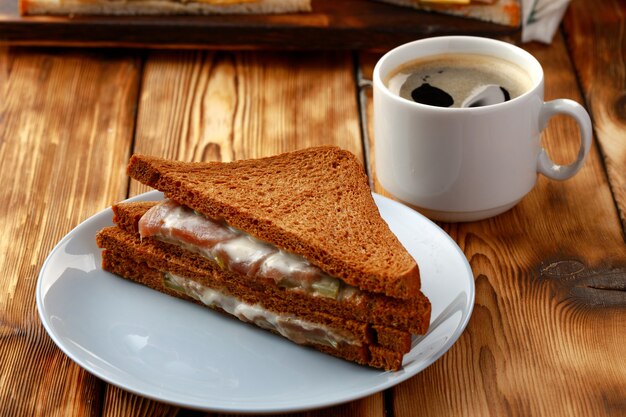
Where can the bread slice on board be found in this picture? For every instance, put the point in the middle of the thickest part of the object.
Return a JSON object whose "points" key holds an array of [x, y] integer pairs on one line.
{"points": [[161, 7], [314, 202], [503, 12]]}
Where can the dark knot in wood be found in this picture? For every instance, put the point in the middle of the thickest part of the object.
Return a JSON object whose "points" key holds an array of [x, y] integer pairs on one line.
{"points": [[572, 280], [620, 107]]}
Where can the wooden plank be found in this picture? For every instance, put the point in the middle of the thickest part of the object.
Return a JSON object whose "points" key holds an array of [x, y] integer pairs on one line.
{"points": [[546, 336], [369, 406], [345, 24], [597, 41], [225, 106], [219, 106], [366, 63], [118, 402], [66, 127]]}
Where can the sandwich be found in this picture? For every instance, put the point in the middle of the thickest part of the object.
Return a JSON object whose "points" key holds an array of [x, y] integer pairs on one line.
{"points": [[161, 7], [293, 244], [503, 12]]}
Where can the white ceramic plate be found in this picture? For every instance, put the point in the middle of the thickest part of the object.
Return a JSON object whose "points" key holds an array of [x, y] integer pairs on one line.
{"points": [[180, 353]]}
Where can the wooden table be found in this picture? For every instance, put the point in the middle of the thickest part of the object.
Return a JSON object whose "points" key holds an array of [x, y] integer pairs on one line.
{"points": [[548, 332]]}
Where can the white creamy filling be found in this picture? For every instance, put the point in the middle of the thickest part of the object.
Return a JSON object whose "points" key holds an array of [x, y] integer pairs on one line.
{"points": [[244, 251], [291, 327], [240, 252]]}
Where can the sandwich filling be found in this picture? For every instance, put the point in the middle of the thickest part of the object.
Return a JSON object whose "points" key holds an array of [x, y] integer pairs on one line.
{"points": [[239, 252], [291, 327]]}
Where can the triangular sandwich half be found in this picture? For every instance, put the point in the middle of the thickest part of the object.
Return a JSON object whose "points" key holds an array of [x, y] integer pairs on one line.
{"points": [[292, 243]]}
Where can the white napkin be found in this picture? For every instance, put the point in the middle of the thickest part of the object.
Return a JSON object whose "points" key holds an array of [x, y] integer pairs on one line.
{"points": [[541, 19]]}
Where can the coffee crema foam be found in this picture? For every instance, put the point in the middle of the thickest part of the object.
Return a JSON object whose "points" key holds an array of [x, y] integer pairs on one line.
{"points": [[448, 80]]}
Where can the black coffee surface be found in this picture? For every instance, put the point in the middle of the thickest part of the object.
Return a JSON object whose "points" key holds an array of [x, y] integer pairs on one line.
{"points": [[432, 96], [505, 92], [448, 80]]}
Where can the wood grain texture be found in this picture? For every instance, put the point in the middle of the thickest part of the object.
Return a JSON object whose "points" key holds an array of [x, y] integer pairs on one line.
{"points": [[366, 62], [369, 406], [119, 403], [199, 106], [218, 106], [546, 336], [596, 36], [344, 24], [66, 118]]}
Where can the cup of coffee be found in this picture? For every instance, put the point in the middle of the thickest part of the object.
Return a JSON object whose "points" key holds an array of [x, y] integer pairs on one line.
{"points": [[457, 124]]}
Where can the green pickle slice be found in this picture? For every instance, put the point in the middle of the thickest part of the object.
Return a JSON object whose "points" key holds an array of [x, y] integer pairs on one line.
{"points": [[327, 287], [169, 283]]}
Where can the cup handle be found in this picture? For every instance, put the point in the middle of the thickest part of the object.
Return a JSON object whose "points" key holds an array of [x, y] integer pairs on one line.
{"points": [[545, 165]]}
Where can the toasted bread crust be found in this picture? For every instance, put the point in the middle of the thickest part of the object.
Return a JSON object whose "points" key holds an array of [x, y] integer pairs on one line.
{"points": [[127, 215], [407, 315], [368, 353], [394, 339], [381, 357], [314, 202]]}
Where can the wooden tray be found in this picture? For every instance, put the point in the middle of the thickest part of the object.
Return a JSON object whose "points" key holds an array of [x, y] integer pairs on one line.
{"points": [[333, 24]]}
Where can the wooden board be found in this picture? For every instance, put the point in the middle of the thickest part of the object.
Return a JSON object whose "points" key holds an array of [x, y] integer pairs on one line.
{"points": [[343, 24]]}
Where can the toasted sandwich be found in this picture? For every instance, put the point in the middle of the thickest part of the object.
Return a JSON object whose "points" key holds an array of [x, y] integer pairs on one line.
{"points": [[503, 12], [161, 7], [292, 243]]}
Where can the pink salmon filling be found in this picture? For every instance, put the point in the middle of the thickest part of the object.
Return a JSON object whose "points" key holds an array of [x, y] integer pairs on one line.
{"points": [[237, 251]]}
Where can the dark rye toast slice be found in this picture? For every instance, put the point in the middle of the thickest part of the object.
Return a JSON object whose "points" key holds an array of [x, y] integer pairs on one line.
{"points": [[407, 315], [314, 202], [368, 352]]}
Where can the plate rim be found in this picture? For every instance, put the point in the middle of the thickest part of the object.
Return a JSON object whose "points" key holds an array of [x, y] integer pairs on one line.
{"points": [[402, 375]]}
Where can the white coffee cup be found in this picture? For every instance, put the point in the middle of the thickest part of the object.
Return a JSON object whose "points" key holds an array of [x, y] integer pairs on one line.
{"points": [[465, 164]]}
